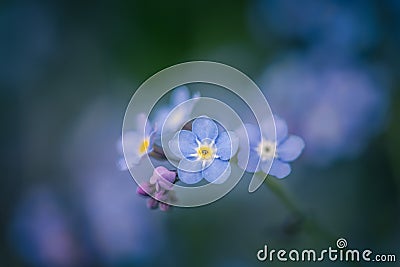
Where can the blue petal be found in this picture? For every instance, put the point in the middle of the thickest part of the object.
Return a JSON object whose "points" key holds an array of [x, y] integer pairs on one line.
{"points": [[173, 145], [187, 143], [179, 95], [161, 115], [265, 165], [189, 177], [143, 123], [217, 172], [254, 134], [190, 165], [204, 127], [141, 120], [249, 164], [224, 146], [280, 169], [269, 127], [291, 148], [281, 129]]}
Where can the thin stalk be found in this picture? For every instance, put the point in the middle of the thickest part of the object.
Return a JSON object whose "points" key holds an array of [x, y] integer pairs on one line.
{"points": [[311, 226]]}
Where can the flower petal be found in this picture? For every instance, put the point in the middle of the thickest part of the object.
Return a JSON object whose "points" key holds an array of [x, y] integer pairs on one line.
{"points": [[161, 116], [189, 177], [178, 117], [152, 203], [204, 127], [132, 142], [280, 169], [143, 124], [145, 189], [281, 129], [218, 172], [188, 165], [173, 145], [161, 195], [249, 164], [162, 178], [164, 207], [265, 165], [179, 95], [141, 120], [253, 134], [121, 164], [187, 143], [226, 144], [290, 148], [165, 184], [164, 173]]}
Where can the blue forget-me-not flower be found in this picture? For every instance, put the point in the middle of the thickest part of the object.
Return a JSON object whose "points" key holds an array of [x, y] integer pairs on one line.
{"points": [[205, 152], [264, 149]]}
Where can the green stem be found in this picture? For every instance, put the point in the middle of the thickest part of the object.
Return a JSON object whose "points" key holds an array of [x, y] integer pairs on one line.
{"points": [[311, 226]]}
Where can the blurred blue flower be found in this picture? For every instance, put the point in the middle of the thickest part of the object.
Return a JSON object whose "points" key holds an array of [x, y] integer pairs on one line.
{"points": [[115, 225], [335, 108], [161, 186], [181, 113], [205, 152], [42, 232], [136, 143], [264, 149]]}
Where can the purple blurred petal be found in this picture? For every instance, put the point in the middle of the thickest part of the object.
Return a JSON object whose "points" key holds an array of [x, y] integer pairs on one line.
{"points": [[161, 195], [144, 189], [152, 203], [163, 172], [165, 185], [164, 207]]}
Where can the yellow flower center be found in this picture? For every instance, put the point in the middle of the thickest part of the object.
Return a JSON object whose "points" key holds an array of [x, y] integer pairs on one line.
{"points": [[266, 150], [144, 146], [205, 152]]}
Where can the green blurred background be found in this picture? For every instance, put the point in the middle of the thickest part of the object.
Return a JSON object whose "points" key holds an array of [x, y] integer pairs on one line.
{"points": [[69, 68]]}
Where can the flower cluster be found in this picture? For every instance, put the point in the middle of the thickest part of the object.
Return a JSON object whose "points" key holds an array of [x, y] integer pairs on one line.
{"points": [[160, 185], [204, 150]]}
